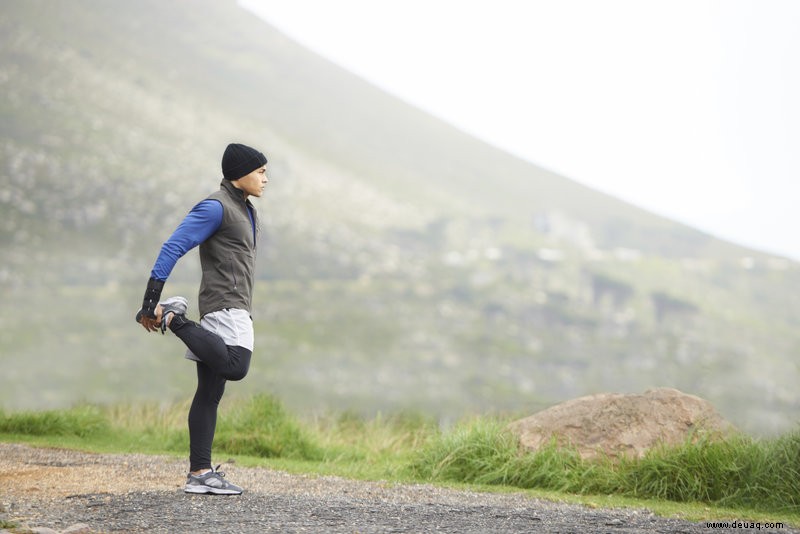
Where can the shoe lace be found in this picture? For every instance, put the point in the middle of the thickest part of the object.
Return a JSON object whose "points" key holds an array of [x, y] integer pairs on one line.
{"points": [[217, 471], [164, 321]]}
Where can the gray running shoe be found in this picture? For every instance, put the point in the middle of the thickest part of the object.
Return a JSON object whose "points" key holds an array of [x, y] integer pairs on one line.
{"points": [[211, 482], [173, 305]]}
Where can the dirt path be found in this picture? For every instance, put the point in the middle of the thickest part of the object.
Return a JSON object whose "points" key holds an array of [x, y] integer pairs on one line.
{"points": [[59, 489]]}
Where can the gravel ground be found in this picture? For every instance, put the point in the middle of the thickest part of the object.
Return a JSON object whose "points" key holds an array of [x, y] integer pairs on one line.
{"points": [[73, 491]]}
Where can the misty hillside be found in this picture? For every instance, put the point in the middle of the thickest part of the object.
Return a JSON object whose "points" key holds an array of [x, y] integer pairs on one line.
{"points": [[403, 263]]}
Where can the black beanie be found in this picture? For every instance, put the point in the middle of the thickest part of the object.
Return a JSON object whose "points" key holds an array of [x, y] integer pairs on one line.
{"points": [[240, 160]]}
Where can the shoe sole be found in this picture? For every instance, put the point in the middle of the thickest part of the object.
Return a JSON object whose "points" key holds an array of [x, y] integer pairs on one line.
{"points": [[209, 489]]}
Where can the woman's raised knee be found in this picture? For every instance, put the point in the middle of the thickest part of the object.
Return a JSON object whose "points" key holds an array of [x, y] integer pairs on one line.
{"points": [[240, 363], [237, 375]]}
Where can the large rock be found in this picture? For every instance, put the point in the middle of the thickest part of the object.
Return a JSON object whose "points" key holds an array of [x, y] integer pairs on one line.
{"points": [[614, 424]]}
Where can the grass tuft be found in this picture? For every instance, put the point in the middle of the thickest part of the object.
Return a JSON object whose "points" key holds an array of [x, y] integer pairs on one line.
{"points": [[261, 427], [474, 452]]}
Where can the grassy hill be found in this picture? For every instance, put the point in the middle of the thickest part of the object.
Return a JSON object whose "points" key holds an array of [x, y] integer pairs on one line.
{"points": [[403, 263]]}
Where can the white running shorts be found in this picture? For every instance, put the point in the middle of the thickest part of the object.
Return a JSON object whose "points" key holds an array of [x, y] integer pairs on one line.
{"points": [[233, 325]]}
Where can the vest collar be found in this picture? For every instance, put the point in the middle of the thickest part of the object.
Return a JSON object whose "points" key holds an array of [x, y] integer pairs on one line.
{"points": [[238, 194]]}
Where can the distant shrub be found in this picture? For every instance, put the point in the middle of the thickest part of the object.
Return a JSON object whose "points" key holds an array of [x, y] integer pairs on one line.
{"points": [[81, 422]]}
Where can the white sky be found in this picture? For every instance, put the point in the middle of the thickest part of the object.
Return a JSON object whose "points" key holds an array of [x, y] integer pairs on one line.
{"points": [[688, 108]]}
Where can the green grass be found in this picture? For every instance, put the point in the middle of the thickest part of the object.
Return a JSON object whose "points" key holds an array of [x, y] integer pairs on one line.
{"points": [[738, 477], [738, 472]]}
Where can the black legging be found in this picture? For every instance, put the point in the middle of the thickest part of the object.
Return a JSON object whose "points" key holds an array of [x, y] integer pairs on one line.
{"points": [[219, 363]]}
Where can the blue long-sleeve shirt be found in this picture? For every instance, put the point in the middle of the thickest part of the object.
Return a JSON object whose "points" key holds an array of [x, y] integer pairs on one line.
{"points": [[200, 224]]}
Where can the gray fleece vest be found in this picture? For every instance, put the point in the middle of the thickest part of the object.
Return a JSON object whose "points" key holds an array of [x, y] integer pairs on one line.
{"points": [[228, 257]]}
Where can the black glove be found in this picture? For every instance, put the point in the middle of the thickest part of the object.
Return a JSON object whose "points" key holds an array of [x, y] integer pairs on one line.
{"points": [[151, 297]]}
